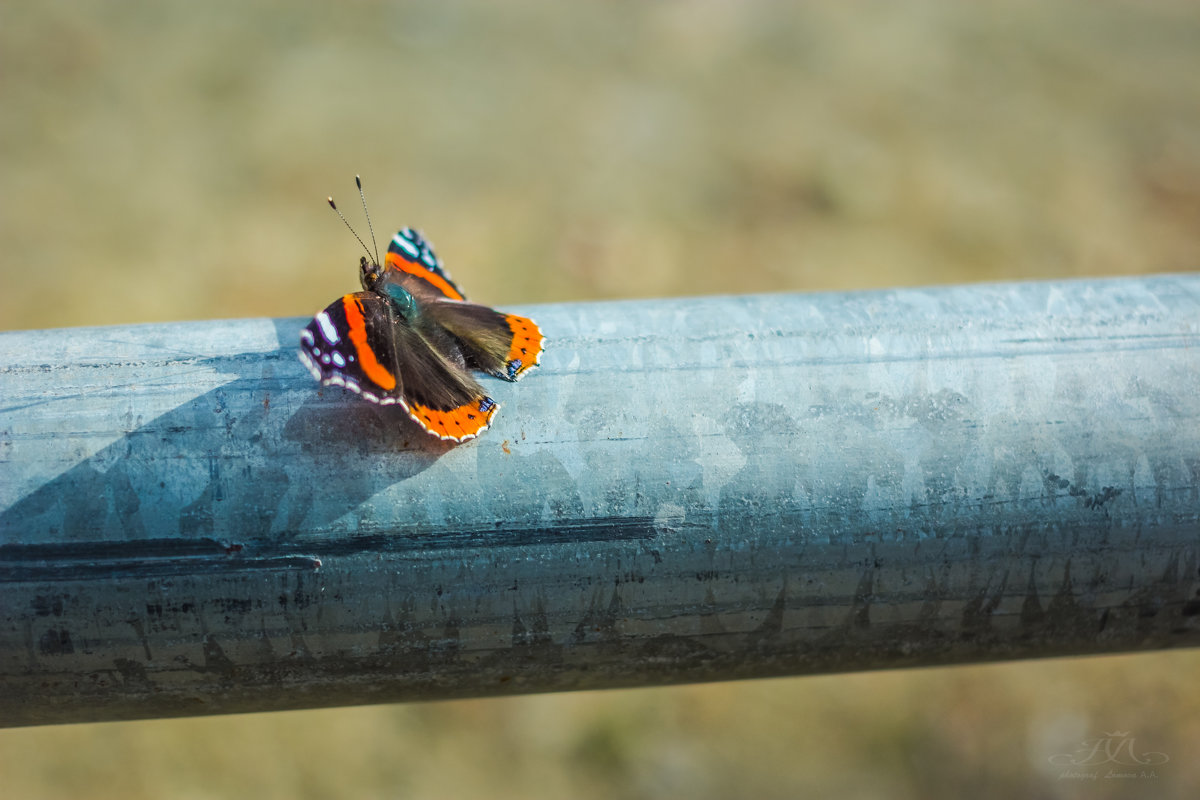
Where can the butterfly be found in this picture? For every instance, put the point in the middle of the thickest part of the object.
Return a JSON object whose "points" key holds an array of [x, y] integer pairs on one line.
{"points": [[411, 338]]}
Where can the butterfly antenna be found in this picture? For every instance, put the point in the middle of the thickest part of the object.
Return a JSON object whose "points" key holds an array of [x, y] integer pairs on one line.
{"points": [[367, 214], [347, 224]]}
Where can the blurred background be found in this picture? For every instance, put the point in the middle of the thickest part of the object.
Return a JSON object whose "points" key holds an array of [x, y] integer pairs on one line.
{"points": [[170, 160]]}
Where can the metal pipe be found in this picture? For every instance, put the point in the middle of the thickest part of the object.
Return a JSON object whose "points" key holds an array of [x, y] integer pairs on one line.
{"points": [[688, 490]]}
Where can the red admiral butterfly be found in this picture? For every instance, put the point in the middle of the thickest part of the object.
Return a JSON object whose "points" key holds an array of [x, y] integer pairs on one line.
{"points": [[410, 338]]}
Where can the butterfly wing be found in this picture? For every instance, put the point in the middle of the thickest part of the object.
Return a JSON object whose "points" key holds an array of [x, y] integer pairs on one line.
{"points": [[360, 343], [439, 393], [418, 268], [349, 344], [504, 345]]}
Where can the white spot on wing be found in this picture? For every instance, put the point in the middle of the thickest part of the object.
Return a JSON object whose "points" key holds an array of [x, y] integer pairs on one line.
{"points": [[327, 329], [405, 245]]}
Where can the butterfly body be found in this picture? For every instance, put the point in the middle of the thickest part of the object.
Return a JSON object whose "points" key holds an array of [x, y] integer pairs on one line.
{"points": [[410, 338]]}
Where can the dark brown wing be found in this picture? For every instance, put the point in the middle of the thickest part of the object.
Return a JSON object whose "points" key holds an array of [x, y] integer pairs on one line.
{"points": [[505, 345]]}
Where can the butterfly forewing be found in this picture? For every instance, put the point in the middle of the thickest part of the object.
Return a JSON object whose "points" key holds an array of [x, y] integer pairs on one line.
{"points": [[350, 344], [418, 267]]}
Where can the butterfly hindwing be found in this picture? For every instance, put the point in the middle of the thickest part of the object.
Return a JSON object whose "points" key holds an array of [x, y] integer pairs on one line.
{"points": [[439, 392], [504, 345], [418, 267]]}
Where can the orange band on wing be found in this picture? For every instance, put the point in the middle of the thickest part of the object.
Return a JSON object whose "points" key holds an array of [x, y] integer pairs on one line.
{"points": [[459, 424], [425, 274], [527, 341], [366, 357]]}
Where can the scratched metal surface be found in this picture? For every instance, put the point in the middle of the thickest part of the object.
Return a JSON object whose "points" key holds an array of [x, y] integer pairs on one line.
{"points": [[689, 489]]}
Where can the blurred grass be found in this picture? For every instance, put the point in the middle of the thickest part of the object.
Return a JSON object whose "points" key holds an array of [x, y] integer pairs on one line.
{"points": [[170, 161]]}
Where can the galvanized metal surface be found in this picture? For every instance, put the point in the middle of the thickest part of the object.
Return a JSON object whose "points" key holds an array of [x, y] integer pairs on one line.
{"points": [[687, 490]]}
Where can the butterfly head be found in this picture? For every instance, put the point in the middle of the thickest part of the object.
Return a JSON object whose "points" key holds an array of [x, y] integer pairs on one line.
{"points": [[369, 274], [374, 279]]}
